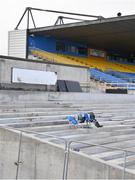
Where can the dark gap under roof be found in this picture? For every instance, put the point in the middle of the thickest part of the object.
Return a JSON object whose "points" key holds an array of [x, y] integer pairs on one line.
{"points": [[116, 33]]}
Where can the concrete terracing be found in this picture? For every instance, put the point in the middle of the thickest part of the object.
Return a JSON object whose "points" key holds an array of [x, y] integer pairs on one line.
{"points": [[44, 123]]}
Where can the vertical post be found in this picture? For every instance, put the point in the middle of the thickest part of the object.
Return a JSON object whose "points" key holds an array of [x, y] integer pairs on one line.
{"points": [[108, 172], [65, 159], [124, 166], [65, 172], [19, 152], [27, 44], [28, 19]]}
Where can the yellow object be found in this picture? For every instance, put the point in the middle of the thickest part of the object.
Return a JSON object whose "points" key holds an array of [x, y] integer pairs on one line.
{"points": [[90, 62]]}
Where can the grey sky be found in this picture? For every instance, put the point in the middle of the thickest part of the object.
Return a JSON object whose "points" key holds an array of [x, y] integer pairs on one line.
{"points": [[11, 11]]}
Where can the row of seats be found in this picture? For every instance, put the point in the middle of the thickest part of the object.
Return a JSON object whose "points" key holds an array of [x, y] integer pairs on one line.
{"points": [[111, 79], [130, 77], [91, 62], [104, 77], [51, 57], [103, 64]]}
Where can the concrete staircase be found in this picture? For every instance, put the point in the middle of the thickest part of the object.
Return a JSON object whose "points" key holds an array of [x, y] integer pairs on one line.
{"points": [[39, 152], [49, 117]]}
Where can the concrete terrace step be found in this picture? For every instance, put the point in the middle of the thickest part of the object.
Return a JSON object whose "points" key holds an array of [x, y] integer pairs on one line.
{"points": [[120, 128], [130, 160], [94, 150], [33, 119], [49, 117], [105, 141], [39, 109], [111, 155], [93, 139], [58, 107], [45, 111], [39, 123], [89, 135], [73, 104], [42, 129], [64, 111], [27, 114], [57, 104], [90, 131]]}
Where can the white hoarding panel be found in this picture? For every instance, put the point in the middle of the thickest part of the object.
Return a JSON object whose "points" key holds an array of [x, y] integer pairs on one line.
{"points": [[97, 53], [33, 76], [17, 43]]}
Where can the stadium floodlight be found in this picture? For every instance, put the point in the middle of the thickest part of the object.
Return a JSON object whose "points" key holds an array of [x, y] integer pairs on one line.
{"points": [[29, 10], [119, 14]]}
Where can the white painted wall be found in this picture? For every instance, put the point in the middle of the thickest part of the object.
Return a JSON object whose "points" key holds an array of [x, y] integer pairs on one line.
{"points": [[17, 43]]}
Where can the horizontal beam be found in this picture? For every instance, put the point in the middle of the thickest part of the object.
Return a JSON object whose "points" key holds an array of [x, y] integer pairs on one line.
{"points": [[69, 13]]}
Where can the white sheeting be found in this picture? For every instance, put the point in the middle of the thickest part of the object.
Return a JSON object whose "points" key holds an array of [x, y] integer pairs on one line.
{"points": [[33, 76]]}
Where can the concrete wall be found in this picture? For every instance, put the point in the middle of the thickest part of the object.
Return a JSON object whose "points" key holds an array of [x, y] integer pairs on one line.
{"points": [[64, 72], [93, 97], [84, 167], [42, 160], [39, 96], [39, 160]]}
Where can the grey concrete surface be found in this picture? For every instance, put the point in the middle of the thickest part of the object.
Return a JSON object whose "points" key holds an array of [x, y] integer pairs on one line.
{"points": [[42, 156], [63, 72], [66, 98]]}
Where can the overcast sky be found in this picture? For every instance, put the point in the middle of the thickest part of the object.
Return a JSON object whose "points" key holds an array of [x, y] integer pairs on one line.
{"points": [[12, 10]]}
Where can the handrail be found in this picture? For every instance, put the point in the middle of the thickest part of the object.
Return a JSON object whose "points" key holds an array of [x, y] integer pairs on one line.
{"points": [[19, 150], [67, 151], [120, 83], [127, 86], [92, 144]]}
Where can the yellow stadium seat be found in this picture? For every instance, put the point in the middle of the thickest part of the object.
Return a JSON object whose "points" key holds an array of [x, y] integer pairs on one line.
{"points": [[90, 62]]}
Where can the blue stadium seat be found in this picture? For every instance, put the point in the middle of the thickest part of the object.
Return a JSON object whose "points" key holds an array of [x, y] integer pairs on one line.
{"points": [[72, 120], [104, 77], [109, 77], [130, 77]]}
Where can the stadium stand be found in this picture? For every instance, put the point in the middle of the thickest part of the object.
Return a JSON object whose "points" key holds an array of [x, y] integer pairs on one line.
{"points": [[111, 79], [91, 62], [116, 74]]}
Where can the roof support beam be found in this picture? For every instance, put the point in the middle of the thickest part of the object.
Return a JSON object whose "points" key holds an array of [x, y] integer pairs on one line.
{"points": [[28, 10]]}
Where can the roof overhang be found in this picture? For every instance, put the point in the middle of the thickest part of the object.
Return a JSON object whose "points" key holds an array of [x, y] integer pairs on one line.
{"points": [[116, 33]]}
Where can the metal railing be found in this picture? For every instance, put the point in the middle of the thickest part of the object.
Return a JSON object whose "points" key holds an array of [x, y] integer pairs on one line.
{"points": [[92, 144], [121, 85], [18, 163], [67, 150]]}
